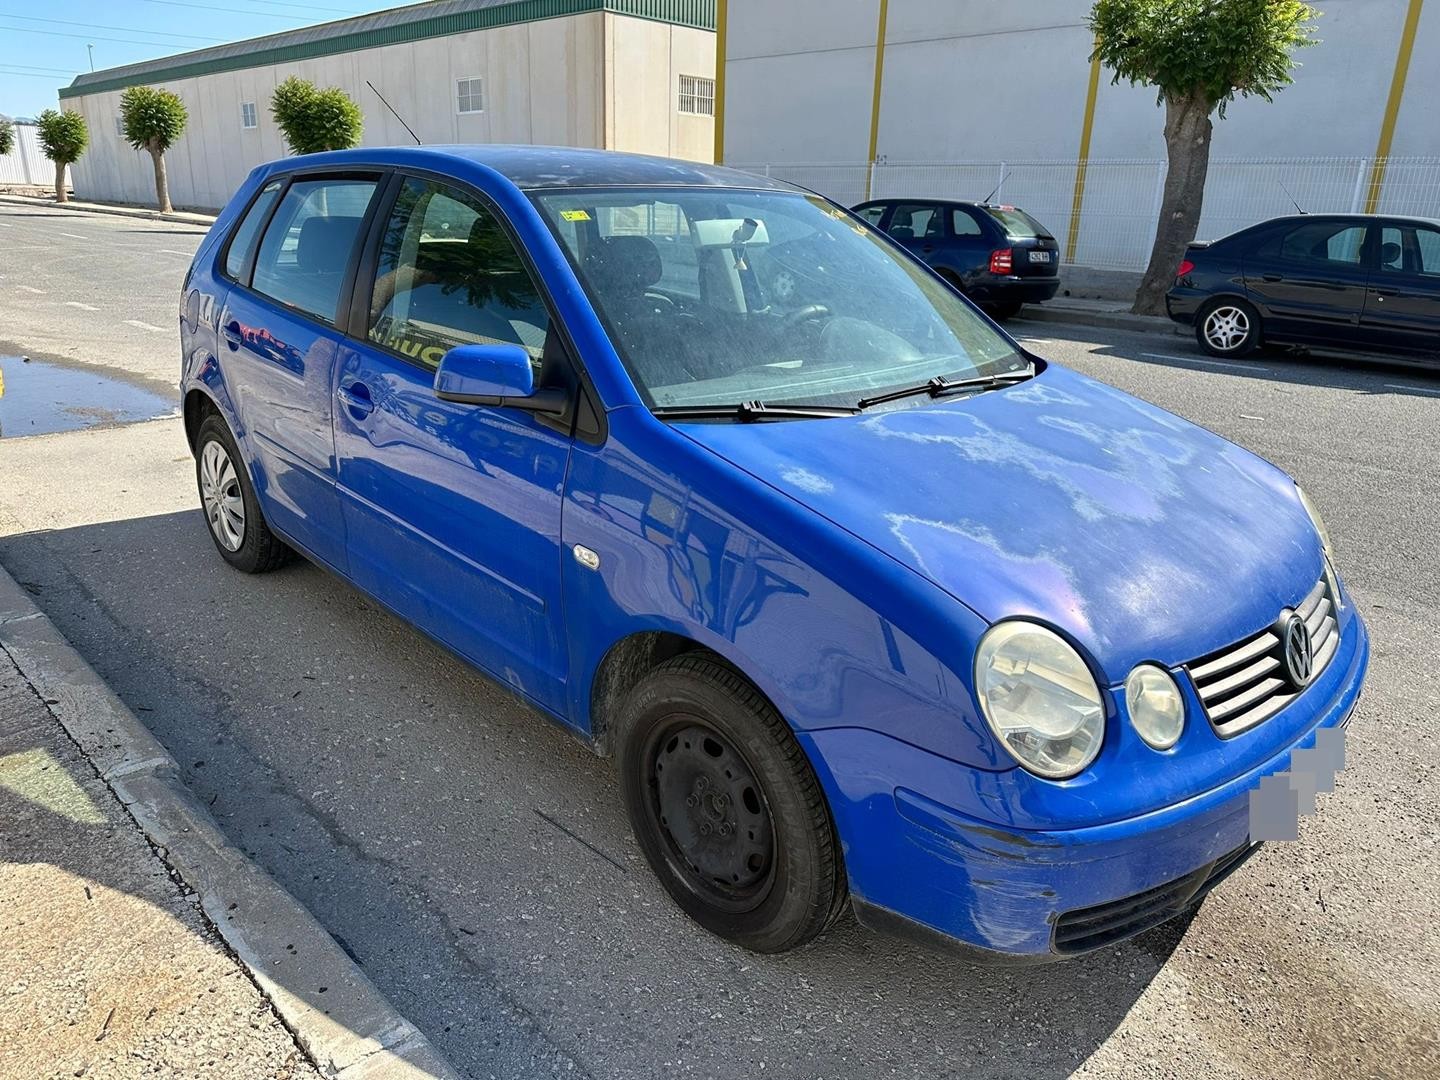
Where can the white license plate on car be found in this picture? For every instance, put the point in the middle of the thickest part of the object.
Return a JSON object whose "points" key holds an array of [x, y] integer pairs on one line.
{"points": [[1040, 256]]}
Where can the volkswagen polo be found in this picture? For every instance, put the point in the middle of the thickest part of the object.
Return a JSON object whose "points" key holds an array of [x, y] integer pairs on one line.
{"points": [[870, 605]]}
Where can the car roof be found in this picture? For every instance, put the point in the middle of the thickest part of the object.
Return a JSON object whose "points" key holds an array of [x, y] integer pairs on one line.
{"points": [[1298, 219], [923, 201], [532, 167]]}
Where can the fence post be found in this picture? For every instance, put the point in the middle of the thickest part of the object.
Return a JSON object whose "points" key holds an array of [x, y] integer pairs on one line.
{"points": [[1359, 186], [1000, 183], [767, 170]]}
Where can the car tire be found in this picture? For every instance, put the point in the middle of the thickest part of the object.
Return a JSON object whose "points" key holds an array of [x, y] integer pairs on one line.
{"points": [[1004, 311], [227, 499], [737, 829], [1228, 328]]}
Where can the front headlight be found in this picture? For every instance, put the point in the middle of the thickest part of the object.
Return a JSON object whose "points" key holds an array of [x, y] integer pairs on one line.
{"points": [[1039, 698], [1156, 708], [1331, 577]]}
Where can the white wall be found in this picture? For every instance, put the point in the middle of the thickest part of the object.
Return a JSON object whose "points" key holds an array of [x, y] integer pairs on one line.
{"points": [[26, 164], [970, 80], [544, 84]]}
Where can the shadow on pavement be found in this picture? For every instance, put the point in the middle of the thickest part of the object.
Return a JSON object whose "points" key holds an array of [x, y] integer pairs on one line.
{"points": [[474, 859]]}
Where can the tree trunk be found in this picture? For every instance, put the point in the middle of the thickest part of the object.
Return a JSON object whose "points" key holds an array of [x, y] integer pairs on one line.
{"points": [[162, 183], [1187, 146], [61, 195]]}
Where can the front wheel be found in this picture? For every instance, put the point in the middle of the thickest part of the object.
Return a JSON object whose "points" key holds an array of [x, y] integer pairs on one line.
{"points": [[1228, 328], [726, 807]]}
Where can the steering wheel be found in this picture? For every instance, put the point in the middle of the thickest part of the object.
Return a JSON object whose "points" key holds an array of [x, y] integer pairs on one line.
{"points": [[797, 318]]}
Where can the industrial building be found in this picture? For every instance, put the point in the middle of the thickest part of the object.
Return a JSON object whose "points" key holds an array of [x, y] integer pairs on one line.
{"points": [[634, 75]]}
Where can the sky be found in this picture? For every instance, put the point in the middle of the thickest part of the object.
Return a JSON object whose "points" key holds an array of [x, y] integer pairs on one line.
{"points": [[43, 45]]}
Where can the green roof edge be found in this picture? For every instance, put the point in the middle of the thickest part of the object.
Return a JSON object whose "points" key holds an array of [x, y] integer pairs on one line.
{"points": [[697, 14]]}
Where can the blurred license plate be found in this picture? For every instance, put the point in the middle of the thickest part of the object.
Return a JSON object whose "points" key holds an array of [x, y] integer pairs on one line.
{"points": [[1040, 256]]}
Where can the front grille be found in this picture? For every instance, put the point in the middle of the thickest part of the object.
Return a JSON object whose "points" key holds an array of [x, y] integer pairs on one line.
{"points": [[1090, 928], [1244, 684]]}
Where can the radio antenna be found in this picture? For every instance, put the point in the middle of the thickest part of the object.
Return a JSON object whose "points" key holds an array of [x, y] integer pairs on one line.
{"points": [[1291, 198], [1003, 177], [394, 113]]}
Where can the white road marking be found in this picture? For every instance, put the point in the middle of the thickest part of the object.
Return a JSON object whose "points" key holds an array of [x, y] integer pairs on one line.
{"points": [[82, 307], [145, 326], [74, 236], [1389, 385], [182, 254], [1211, 363], [6, 225], [31, 289]]}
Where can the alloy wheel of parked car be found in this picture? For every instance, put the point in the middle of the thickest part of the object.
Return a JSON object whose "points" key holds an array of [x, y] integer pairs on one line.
{"points": [[726, 807], [227, 499], [1229, 328]]}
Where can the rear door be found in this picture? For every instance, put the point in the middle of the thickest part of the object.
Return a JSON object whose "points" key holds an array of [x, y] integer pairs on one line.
{"points": [[279, 325], [919, 227], [452, 510], [972, 239], [1311, 279], [1402, 309]]}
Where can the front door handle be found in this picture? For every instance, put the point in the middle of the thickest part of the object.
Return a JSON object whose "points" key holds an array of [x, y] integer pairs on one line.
{"points": [[1271, 277], [231, 333], [356, 397]]}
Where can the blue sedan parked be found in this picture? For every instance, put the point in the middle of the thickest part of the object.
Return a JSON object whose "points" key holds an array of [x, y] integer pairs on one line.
{"points": [[869, 604]]}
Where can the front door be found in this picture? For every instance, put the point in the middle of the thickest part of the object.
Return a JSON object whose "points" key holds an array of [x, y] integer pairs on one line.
{"points": [[279, 328], [1311, 279], [453, 511], [1402, 310]]}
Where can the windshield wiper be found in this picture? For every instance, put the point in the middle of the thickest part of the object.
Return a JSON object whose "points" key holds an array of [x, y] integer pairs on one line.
{"points": [[940, 386], [747, 412]]}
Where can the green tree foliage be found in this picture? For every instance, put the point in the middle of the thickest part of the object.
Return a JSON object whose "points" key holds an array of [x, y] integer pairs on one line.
{"points": [[63, 138], [314, 120], [7, 135], [1199, 55], [152, 120]]}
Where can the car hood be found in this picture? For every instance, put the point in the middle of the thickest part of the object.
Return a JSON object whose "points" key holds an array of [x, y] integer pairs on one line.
{"points": [[1142, 535]]}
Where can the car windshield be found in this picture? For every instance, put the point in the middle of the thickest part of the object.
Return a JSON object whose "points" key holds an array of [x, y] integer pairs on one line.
{"points": [[721, 296]]}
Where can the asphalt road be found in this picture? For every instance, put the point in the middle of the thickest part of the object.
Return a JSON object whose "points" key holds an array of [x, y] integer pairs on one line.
{"points": [[476, 860]]}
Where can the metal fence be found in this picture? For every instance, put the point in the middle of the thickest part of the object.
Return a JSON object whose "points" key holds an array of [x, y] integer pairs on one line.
{"points": [[26, 164], [1120, 205]]}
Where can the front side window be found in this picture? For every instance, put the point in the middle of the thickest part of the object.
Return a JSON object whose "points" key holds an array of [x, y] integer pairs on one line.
{"points": [[872, 214], [697, 95], [248, 117], [469, 95], [237, 256], [915, 222], [715, 297], [307, 246], [1410, 250], [448, 275]]}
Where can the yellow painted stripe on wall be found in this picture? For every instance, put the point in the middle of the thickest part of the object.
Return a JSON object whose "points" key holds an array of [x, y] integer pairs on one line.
{"points": [[1082, 162], [875, 97], [721, 17], [1392, 106]]}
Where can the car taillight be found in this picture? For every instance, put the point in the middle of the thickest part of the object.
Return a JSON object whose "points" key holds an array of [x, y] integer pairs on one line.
{"points": [[1002, 261], [1185, 269]]}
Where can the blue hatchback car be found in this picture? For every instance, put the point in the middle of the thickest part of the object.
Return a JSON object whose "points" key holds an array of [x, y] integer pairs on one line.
{"points": [[869, 604]]}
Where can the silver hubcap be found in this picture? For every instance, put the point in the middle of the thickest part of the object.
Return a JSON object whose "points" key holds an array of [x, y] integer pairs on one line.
{"points": [[220, 493], [1226, 328]]}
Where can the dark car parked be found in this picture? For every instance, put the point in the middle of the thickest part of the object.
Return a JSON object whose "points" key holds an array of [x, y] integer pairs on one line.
{"points": [[1337, 281], [998, 256]]}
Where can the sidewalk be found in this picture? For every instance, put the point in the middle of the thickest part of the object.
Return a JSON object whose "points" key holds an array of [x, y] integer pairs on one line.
{"points": [[1110, 314], [109, 967], [183, 217]]}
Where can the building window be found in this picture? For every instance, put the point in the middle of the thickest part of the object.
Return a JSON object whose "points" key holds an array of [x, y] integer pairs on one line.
{"points": [[247, 114], [469, 95], [697, 95]]}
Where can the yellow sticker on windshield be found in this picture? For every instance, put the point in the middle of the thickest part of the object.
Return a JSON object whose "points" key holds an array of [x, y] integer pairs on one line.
{"points": [[574, 215]]}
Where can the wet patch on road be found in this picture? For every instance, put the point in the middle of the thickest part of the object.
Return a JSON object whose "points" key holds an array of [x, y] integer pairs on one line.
{"points": [[41, 398]]}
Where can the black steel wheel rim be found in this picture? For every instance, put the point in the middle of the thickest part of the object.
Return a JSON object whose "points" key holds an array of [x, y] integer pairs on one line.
{"points": [[710, 814]]}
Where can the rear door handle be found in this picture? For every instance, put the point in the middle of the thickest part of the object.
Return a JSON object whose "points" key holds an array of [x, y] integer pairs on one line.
{"points": [[356, 397]]}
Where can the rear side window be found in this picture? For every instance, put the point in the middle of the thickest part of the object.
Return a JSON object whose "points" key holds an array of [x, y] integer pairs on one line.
{"points": [[448, 275], [243, 240], [964, 223], [1017, 223], [1318, 242], [306, 249]]}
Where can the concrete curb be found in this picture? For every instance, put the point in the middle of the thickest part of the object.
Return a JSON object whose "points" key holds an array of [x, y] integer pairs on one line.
{"points": [[1109, 320], [349, 1029], [181, 217]]}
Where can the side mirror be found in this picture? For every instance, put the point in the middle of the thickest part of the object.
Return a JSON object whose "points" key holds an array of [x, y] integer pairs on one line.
{"points": [[493, 375]]}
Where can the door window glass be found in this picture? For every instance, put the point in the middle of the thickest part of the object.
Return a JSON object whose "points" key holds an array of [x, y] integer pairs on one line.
{"points": [[448, 275], [914, 222], [1392, 249], [307, 247], [243, 242], [1321, 242], [964, 224], [1427, 250]]}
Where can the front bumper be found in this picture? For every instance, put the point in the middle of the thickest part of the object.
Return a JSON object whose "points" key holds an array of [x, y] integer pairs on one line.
{"points": [[919, 866]]}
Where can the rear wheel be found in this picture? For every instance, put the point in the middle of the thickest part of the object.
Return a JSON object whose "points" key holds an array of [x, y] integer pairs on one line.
{"points": [[1007, 309], [726, 807], [1228, 328], [228, 501]]}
